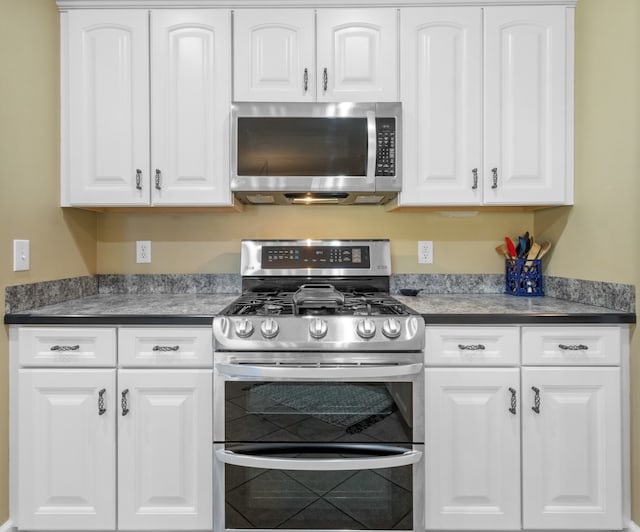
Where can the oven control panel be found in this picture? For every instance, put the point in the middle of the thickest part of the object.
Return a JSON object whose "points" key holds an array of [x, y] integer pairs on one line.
{"points": [[331, 257]]}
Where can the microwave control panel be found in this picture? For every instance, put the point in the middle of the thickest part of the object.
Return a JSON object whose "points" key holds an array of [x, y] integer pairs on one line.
{"points": [[386, 147]]}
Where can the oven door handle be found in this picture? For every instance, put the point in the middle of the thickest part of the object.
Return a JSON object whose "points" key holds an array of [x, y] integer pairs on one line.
{"points": [[313, 373], [391, 457]]}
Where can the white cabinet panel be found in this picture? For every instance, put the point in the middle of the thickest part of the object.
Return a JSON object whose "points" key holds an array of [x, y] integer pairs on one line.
{"points": [[165, 347], [525, 127], [571, 346], [357, 55], [571, 448], [66, 450], [473, 451], [296, 55], [67, 346], [190, 99], [108, 111], [164, 450], [472, 346], [274, 55], [441, 77], [487, 98]]}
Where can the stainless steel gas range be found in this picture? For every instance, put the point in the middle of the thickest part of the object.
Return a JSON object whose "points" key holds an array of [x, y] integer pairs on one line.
{"points": [[318, 393]]}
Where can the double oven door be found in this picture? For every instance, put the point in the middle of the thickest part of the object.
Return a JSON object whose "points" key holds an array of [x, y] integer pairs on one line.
{"points": [[323, 445]]}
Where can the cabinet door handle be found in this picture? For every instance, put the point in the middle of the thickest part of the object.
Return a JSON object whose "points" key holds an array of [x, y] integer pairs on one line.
{"points": [[325, 79], [471, 347], [158, 177], [166, 348], [513, 401], [101, 407], [494, 171], [305, 80], [64, 347], [536, 400], [475, 178], [578, 347], [139, 179], [124, 402]]}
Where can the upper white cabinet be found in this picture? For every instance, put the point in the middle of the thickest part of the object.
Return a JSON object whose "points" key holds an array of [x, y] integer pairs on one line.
{"points": [[487, 105], [145, 107], [329, 55]]}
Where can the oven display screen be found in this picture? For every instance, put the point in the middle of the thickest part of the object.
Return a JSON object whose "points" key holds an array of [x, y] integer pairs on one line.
{"points": [[315, 257]]}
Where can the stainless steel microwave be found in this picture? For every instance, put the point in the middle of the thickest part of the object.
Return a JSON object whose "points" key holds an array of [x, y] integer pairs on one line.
{"points": [[337, 153]]}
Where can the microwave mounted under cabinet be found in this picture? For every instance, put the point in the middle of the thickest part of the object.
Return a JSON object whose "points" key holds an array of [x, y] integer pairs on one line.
{"points": [[336, 153]]}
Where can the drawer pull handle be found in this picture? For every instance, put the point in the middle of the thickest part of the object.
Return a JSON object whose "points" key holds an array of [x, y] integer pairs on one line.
{"points": [[536, 400], [65, 347], [166, 348], [124, 402], [101, 408], [513, 401], [471, 347], [579, 347]]}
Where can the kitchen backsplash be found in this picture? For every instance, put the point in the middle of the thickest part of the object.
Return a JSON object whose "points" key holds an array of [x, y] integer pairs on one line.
{"points": [[616, 296]]}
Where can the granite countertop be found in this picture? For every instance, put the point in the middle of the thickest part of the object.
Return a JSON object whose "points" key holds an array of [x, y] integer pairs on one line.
{"points": [[199, 309]]}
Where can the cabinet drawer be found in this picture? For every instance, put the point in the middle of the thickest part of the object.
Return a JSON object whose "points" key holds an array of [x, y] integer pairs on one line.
{"points": [[176, 347], [57, 346], [468, 346], [598, 346]]}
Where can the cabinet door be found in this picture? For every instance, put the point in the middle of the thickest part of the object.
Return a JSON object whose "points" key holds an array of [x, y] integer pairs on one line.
{"points": [[190, 99], [164, 446], [66, 450], [441, 80], [107, 100], [526, 103], [274, 55], [357, 58], [572, 448], [473, 451]]}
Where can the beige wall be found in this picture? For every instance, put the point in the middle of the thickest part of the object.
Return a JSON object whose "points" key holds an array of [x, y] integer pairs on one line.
{"points": [[62, 243], [211, 242], [598, 237], [592, 238]]}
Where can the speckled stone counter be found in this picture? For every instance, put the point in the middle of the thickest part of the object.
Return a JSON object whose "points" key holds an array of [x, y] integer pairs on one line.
{"points": [[128, 309], [505, 309], [199, 309]]}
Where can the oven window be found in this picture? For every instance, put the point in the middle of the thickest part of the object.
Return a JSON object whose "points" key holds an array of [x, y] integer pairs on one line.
{"points": [[318, 412], [379, 499], [302, 146]]}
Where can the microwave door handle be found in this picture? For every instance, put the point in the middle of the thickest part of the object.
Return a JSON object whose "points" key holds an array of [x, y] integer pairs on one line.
{"points": [[318, 464], [339, 373], [373, 149]]}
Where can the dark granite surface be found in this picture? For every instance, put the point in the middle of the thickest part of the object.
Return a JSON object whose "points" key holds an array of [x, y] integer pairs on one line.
{"points": [[195, 299]]}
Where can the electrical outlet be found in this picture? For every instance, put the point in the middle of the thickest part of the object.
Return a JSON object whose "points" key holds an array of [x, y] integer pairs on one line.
{"points": [[425, 252], [143, 251], [21, 255]]}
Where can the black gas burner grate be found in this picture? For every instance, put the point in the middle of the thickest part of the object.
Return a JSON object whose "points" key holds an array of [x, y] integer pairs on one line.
{"points": [[277, 303]]}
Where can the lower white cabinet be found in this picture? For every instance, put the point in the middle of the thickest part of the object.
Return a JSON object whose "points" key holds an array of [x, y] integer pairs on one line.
{"points": [[110, 448], [473, 448], [571, 448], [66, 449], [547, 438], [164, 450]]}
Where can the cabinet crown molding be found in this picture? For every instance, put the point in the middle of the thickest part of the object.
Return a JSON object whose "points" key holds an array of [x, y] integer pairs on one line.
{"points": [[65, 5]]}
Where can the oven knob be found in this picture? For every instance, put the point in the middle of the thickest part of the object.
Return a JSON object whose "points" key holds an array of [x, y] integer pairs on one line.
{"points": [[269, 328], [318, 328], [391, 328], [366, 328], [244, 328]]}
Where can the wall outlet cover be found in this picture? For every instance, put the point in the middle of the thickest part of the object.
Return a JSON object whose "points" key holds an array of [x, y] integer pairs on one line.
{"points": [[425, 252], [143, 251]]}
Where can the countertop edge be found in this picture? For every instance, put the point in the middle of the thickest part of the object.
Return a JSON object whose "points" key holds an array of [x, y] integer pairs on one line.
{"points": [[430, 319]]}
